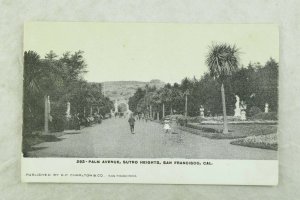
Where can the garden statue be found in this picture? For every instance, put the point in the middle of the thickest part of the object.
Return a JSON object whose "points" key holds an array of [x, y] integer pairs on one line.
{"points": [[266, 108], [116, 106], [68, 112], [112, 113], [201, 111], [68, 117], [237, 110]]}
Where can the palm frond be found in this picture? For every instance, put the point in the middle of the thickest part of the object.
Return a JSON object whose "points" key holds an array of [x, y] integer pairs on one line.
{"points": [[222, 60]]}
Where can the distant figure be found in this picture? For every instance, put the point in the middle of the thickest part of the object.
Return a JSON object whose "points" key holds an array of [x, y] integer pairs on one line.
{"points": [[76, 122], [167, 126], [131, 121]]}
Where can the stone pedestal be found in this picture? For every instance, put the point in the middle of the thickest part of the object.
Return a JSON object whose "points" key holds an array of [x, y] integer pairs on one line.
{"points": [[243, 115]]}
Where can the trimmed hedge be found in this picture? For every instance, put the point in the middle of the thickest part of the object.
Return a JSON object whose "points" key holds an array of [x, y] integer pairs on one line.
{"points": [[183, 121], [254, 110], [265, 116]]}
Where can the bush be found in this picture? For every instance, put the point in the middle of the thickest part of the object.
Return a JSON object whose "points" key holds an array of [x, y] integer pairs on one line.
{"points": [[183, 121], [206, 129], [265, 116], [254, 110], [57, 124]]}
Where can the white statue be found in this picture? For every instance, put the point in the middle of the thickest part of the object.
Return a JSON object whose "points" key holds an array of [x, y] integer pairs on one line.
{"points": [[116, 106], [266, 108], [201, 111], [49, 109], [68, 112], [237, 110]]}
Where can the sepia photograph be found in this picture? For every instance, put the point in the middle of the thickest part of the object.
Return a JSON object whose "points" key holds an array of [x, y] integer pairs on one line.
{"points": [[150, 90]]}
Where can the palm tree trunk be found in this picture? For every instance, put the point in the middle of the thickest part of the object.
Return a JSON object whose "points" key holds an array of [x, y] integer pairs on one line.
{"points": [[46, 112], [185, 109], [163, 109], [225, 128]]}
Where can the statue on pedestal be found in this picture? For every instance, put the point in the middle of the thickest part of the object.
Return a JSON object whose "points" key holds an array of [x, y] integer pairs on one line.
{"points": [[266, 108], [116, 106], [237, 110], [201, 111]]}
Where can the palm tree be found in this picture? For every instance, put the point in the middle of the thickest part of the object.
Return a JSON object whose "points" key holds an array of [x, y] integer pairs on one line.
{"points": [[165, 97], [32, 72], [222, 60]]}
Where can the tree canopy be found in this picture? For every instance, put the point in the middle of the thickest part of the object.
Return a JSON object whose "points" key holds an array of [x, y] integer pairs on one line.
{"points": [[255, 84], [60, 78], [222, 60]]}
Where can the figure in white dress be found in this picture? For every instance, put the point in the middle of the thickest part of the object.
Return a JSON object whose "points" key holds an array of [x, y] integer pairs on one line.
{"points": [[167, 126]]}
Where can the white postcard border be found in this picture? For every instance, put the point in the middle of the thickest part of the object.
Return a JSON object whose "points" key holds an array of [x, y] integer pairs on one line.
{"points": [[181, 171]]}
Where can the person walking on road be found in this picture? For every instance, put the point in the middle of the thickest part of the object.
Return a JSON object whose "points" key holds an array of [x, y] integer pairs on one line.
{"points": [[167, 126], [131, 121]]}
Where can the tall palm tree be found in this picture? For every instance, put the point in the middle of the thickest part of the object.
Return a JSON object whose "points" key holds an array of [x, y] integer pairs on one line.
{"points": [[222, 60], [165, 96]]}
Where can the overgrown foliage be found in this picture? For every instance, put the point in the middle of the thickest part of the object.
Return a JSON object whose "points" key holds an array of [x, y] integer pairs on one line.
{"points": [[60, 78]]}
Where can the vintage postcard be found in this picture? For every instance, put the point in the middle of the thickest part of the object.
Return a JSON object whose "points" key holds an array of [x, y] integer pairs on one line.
{"points": [[150, 103]]}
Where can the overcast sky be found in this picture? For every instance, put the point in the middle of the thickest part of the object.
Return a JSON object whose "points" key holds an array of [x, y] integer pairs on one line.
{"points": [[145, 51]]}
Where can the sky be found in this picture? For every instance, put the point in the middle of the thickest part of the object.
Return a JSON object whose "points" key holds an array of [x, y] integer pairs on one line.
{"points": [[146, 51]]}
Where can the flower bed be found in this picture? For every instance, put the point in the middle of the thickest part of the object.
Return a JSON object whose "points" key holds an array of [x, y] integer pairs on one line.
{"points": [[262, 141]]}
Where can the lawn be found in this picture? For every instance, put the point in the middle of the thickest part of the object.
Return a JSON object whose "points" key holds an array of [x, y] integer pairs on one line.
{"points": [[30, 140]]}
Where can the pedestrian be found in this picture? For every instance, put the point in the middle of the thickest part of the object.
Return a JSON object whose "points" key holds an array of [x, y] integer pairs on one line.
{"points": [[143, 117], [167, 126], [131, 121], [146, 117], [100, 118], [77, 121]]}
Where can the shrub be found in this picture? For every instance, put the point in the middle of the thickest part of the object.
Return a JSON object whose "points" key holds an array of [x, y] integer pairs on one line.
{"points": [[183, 121], [206, 129], [265, 116], [254, 110], [57, 124]]}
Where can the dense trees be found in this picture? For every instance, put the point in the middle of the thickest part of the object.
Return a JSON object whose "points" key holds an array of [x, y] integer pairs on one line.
{"points": [[61, 79], [255, 84]]}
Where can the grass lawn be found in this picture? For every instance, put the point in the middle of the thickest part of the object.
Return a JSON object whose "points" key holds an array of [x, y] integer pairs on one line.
{"points": [[262, 141], [235, 130]]}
